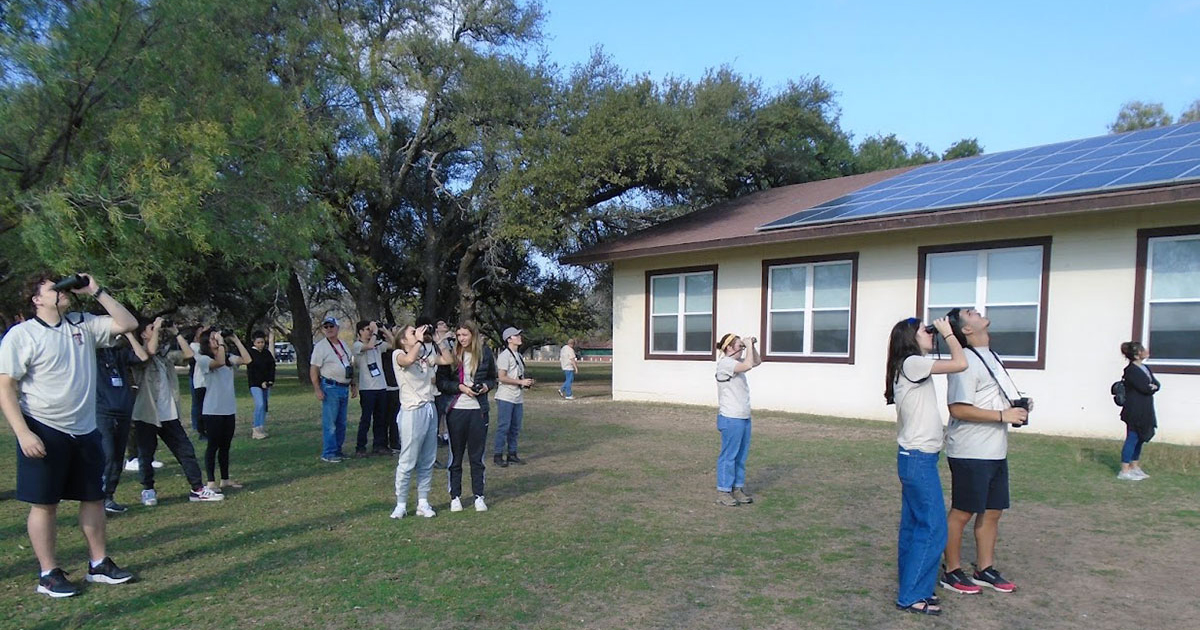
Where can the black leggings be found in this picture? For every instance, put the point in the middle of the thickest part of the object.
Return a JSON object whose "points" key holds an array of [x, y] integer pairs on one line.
{"points": [[468, 430], [220, 437]]}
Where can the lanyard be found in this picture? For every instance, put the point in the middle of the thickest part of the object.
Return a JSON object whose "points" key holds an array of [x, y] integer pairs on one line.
{"points": [[339, 354], [520, 363], [993, 374]]}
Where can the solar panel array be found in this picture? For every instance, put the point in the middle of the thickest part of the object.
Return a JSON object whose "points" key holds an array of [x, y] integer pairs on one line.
{"points": [[1129, 160]]}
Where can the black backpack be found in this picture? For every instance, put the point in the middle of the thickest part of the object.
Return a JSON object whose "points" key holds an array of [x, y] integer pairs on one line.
{"points": [[1118, 392]]}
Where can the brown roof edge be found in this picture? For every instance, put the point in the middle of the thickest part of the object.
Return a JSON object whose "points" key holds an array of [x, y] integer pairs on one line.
{"points": [[1162, 195]]}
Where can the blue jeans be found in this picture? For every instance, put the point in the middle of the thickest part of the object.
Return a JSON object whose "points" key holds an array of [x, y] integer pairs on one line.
{"points": [[508, 425], [922, 525], [1132, 450], [735, 447], [568, 378], [262, 400], [333, 418]]}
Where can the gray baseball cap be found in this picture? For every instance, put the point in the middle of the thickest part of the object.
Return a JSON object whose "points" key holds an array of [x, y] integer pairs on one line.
{"points": [[508, 332]]}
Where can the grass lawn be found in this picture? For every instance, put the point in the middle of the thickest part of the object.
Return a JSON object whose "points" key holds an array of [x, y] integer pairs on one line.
{"points": [[612, 525]]}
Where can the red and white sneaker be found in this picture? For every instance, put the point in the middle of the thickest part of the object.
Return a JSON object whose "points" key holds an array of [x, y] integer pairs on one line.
{"points": [[990, 577], [957, 582]]}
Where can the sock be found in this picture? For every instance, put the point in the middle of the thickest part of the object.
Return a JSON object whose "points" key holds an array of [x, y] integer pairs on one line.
{"points": [[96, 563], [45, 573]]}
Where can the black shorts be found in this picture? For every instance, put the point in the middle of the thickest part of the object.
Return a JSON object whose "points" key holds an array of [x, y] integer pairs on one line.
{"points": [[72, 469], [978, 485]]}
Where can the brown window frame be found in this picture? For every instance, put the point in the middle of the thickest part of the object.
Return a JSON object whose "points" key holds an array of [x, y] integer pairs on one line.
{"points": [[852, 258], [1039, 363], [1139, 292], [646, 325]]}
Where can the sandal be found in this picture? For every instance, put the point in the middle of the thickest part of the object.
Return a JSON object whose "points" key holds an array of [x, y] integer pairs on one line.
{"points": [[921, 607]]}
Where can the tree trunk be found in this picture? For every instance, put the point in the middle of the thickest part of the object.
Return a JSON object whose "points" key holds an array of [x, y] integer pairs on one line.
{"points": [[433, 281], [367, 298], [302, 327], [466, 290]]}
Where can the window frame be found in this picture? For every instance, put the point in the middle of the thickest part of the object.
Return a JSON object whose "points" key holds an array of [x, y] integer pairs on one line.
{"points": [[1141, 296], [647, 324], [764, 320], [981, 247]]}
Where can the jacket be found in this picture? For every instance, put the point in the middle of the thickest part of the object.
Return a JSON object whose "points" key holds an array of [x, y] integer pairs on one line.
{"points": [[1138, 411], [447, 380]]}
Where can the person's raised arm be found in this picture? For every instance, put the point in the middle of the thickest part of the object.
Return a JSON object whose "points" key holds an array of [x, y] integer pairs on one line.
{"points": [[958, 359], [445, 357], [185, 348], [412, 336], [142, 353], [122, 320], [751, 358], [31, 445], [245, 354]]}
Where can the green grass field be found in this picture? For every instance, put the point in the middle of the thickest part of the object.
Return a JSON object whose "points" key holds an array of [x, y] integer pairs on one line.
{"points": [[612, 525]]}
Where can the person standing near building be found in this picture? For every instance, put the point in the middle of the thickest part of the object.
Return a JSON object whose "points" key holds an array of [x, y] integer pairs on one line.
{"points": [[734, 358], [260, 374], [510, 398], [416, 367], [114, 413], [48, 395], [1138, 411], [568, 363], [907, 384], [331, 372], [980, 400], [469, 379], [372, 389], [157, 408]]}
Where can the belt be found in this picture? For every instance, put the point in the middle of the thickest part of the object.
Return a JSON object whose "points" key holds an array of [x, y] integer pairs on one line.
{"points": [[329, 381]]}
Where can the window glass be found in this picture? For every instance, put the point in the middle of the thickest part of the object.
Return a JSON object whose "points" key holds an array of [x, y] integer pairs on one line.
{"points": [[831, 286], [831, 332], [697, 335], [1175, 269], [1014, 275], [1013, 330], [1174, 331], [787, 332], [787, 287], [664, 333], [666, 294], [952, 278]]}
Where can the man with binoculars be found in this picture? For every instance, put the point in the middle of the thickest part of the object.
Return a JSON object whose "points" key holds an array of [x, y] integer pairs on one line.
{"points": [[983, 401], [332, 373], [48, 395]]}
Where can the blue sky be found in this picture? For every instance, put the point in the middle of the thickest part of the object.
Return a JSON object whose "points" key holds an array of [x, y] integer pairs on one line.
{"points": [[1012, 74]]}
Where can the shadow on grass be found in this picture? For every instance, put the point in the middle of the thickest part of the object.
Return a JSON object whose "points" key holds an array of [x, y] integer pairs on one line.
{"points": [[1108, 458], [532, 484]]}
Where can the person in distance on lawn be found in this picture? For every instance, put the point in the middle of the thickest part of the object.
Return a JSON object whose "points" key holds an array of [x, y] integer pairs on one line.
{"points": [[415, 370], [260, 374], [469, 379], [157, 408], [734, 359], [568, 362], [510, 398], [922, 532], [1138, 411], [980, 399], [220, 403], [48, 395]]}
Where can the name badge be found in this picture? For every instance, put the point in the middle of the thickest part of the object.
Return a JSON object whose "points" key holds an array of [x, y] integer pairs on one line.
{"points": [[373, 369], [117, 381]]}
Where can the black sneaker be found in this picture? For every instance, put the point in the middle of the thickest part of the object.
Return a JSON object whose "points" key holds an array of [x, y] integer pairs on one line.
{"points": [[498, 460], [513, 459], [990, 577], [112, 507], [56, 584], [957, 581], [107, 572]]}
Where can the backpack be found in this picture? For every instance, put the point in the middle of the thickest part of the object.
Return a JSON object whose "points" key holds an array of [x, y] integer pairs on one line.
{"points": [[1118, 392]]}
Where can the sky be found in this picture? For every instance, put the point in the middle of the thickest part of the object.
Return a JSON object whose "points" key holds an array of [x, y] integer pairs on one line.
{"points": [[1012, 74]]}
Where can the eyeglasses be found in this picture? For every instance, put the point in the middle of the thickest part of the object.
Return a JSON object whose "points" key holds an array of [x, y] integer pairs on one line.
{"points": [[328, 325]]}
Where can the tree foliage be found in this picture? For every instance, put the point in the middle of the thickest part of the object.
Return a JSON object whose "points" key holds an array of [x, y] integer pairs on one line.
{"points": [[1136, 115]]}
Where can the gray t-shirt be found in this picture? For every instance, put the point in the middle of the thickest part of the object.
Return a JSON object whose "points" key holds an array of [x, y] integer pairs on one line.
{"points": [[416, 380], [220, 399], [331, 359], [974, 386], [513, 366], [733, 390], [55, 369], [368, 363], [918, 421]]}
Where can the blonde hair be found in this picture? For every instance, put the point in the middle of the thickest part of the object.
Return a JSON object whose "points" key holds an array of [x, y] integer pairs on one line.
{"points": [[475, 347]]}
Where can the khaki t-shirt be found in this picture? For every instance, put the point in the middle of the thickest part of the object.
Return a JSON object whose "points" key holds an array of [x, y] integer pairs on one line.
{"points": [[566, 358], [974, 386], [416, 380], [332, 359], [918, 419], [733, 390], [512, 364]]}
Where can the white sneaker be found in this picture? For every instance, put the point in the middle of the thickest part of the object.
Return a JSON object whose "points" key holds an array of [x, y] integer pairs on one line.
{"points": [[400, 511], [205, 494], [569, 397], [480, 506], [1141, 474], [455, 505], [156, 464], [149, 498], [1128, 475], [132, 465], [424, 509]]}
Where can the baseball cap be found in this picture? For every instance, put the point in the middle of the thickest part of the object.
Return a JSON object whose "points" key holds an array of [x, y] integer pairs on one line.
{"points": [[508, 332], [329, 319]]}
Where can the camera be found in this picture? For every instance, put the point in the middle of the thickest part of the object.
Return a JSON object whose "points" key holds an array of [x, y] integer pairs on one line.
{"points": [[227, 332], [1022, 403], [477, 388], [166, 323], [349, 372], [70, 283], [930, 329]]}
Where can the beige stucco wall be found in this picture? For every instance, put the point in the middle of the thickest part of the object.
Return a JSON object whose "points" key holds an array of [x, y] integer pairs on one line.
{"points": [[1092, 261]]}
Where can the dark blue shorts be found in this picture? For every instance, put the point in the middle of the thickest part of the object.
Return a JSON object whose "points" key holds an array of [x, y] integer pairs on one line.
{"points": [[978, 485], [72, 469]]}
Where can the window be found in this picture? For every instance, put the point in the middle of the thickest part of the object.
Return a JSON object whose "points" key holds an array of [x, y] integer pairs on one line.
{"points": [[680, 305], [1167, 313], [1005, 281], [808, 308]]}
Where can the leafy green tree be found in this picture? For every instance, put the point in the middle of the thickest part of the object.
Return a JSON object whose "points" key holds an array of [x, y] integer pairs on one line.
{"points": [[1136, 115], [1192, 113], [880, 152], [966, 147]]}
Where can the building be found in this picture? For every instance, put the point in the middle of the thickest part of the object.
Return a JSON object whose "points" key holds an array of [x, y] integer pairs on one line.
{"points": [[1070, 249]]}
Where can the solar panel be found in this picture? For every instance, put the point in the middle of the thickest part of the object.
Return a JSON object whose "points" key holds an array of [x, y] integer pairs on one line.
{"points": [[1149, 157]]}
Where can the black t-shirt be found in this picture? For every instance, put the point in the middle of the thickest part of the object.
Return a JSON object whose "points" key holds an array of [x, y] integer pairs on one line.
{"points": [[114, 384]]}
